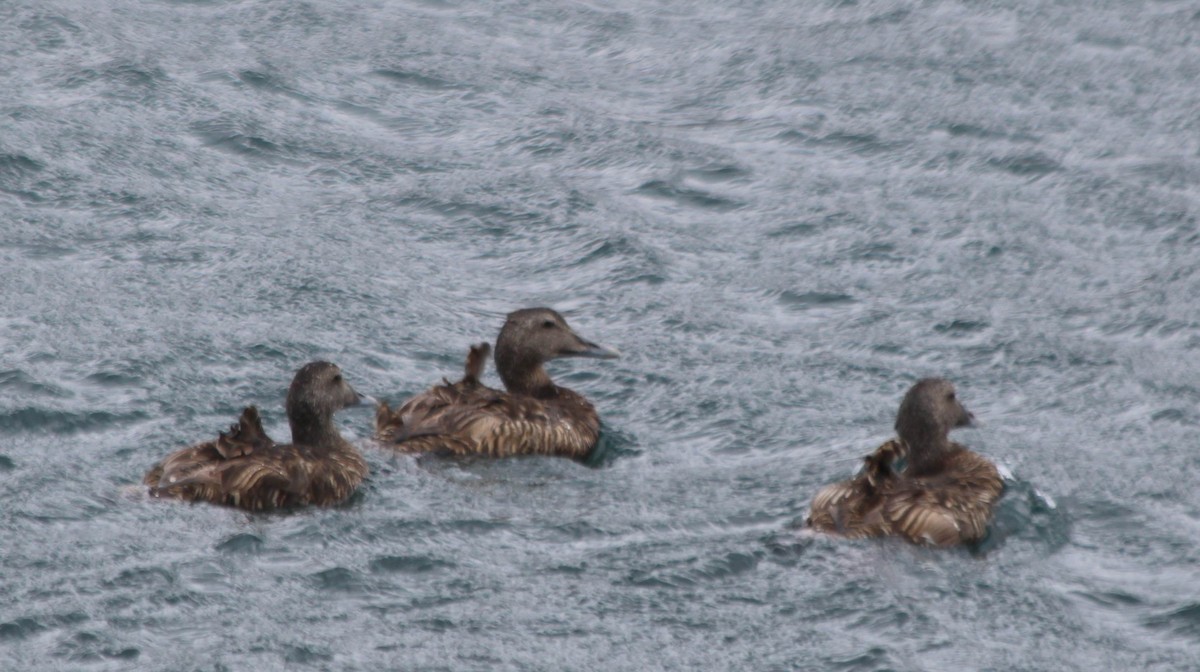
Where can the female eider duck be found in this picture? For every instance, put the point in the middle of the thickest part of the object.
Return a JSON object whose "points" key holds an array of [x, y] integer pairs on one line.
{"points": [[921, 485], [246, 469], [532, 417]]}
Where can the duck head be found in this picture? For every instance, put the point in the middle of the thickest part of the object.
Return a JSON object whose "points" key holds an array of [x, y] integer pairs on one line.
{"points": [[533, 336], [928, 412], [317, 392]]}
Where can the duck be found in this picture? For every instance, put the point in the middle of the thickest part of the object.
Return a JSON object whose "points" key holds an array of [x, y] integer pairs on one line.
{"points": [[919, 486], [245, 468], [531, 416]]}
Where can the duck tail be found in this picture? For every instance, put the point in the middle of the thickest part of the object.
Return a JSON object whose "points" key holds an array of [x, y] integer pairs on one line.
{"points": [[388, 425], [881, 464], [244, 436], [476, 361]]}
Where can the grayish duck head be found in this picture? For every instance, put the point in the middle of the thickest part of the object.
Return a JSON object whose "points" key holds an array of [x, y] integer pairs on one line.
{"points": [[317, 392], [533, 336], [929, 411]]}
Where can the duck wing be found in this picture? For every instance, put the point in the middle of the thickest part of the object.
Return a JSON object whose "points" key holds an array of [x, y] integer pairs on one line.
{"points": [[469, 418], [246, 468], [280, 476], [245, 437], [946, 509], [395, 425], [483, 421], [437, 411], [854, 508], [259, 481]]}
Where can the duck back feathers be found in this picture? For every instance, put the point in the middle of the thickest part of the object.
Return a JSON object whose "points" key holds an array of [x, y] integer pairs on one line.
{"points": [[951, 507], [451, 420], [245, 437], [433, 420], [533, 416], [245, 468], [921, 486]]}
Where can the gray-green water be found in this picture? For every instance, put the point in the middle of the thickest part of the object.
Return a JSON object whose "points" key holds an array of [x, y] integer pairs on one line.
{"points": [[782, 213]]}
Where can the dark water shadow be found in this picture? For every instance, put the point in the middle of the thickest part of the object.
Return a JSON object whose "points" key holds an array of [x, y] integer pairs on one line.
{"points": [[409, 78], [693, 571], [241, 544], [1184, 621], [786, 547], [612, 445], [408, 564], [65, 422], [687, 196], [1034, 165], [1025, 513]]}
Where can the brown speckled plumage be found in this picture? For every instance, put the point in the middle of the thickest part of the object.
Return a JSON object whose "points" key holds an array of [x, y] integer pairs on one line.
{"points": [[532, 417], [921, 486], [246, 469]]}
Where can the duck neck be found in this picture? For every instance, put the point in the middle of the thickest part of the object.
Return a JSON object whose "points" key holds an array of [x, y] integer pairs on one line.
{"points": [[927, 453], [523, 375], [313, 429], [928, 447]]}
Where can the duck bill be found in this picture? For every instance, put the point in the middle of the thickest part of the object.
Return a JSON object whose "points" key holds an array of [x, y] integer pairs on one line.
{"points": [[359, 399], [591, 350], [367, 400]]}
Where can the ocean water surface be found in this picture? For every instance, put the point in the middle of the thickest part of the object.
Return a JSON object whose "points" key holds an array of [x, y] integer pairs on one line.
{"points": [[782, 214]]}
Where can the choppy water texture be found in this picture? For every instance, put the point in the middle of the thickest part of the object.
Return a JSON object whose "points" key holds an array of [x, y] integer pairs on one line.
{"points": [[782, 213]]}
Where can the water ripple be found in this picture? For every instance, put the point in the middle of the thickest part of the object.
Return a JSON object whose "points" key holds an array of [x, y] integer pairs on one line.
{"points": [[782, 213]]}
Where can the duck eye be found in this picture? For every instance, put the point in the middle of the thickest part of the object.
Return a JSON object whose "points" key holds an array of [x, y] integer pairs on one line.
{"points": [[337, 378], [548, 324], [950, 396]]}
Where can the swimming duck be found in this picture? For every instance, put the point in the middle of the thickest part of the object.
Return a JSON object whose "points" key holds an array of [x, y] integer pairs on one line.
{"points": [[921, 485], [246, 469], [533, 416]]}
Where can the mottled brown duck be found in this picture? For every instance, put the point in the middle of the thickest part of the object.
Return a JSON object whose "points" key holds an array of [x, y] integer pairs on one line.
{"points": [[920, 486], [247, 469], [531, 416]]}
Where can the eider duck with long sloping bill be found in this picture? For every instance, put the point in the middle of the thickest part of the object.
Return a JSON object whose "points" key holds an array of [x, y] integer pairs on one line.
{"points": [[533, 416], [247, 469], [920, 486]]}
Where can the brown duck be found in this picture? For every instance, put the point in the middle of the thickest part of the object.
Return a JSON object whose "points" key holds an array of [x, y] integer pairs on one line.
{"points": [[921, 485], [533, 416], [246, 469]]}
